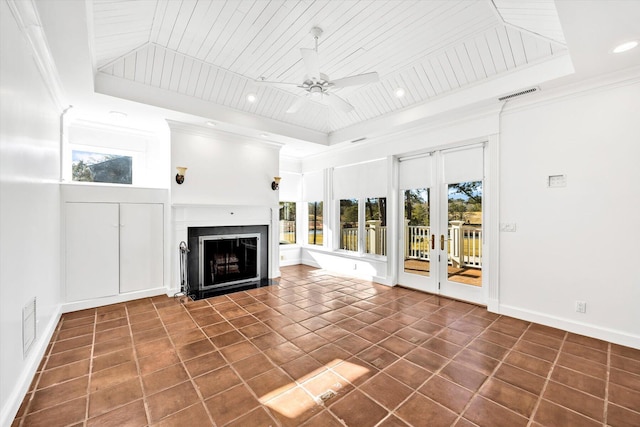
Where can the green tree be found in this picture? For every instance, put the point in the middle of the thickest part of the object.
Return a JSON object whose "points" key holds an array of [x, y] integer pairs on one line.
{"points": [[81, 172]]}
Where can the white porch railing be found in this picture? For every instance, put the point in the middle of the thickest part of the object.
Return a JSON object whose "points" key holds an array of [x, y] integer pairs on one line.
{"points": [[287, 231], [464, 242]]}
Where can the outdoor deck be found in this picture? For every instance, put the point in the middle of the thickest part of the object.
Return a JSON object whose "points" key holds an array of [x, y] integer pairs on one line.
{"points": [[467, 275]]}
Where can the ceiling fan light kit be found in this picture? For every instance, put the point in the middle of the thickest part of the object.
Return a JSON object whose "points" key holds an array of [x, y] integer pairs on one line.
{"points": [[318, 85]]}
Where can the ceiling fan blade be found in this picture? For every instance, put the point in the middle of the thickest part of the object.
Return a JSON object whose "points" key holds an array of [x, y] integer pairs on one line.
{"points": [[360, 79], [311, 63], [337, 102], [269, 82], [297, 104]]}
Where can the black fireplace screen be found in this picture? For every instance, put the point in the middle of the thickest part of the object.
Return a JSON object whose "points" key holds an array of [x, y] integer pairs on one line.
{"points": [[229, 259]]}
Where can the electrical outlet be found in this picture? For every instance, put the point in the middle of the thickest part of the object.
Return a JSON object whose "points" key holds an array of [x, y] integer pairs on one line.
{"points": [[581, 306]]}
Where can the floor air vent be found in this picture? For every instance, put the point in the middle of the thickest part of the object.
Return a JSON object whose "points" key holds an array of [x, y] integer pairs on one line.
{"points": [[522, 92]]}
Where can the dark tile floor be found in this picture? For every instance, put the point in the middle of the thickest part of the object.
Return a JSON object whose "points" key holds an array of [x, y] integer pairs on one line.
{"points": [[323, 350]]}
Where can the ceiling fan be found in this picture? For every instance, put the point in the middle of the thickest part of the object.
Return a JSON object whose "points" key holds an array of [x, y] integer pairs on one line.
{"points": [[318, 85]]}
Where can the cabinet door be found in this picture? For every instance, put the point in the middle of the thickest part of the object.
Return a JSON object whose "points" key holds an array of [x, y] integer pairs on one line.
{"points": [[141, 246], [92, 261]]}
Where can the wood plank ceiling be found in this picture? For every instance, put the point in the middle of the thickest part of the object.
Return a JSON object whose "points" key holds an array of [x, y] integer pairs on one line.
{"points": [[216, 50]]}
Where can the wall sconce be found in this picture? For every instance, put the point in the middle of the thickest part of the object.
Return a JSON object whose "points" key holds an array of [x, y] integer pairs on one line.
{"points": [[276, 183], [180, 174]]}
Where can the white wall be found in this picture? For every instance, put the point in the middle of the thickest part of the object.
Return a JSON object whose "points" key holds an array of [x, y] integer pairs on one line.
{"points": [[29, 211], [223, 169], [228, 182], [580, 242]]}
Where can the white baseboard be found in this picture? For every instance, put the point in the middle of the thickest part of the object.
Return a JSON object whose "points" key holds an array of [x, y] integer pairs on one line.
{"points": [[98, 302], [290, 262], [12, 404], [590, 330]]}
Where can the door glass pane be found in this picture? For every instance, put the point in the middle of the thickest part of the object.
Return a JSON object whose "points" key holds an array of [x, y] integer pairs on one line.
{"points": [[417, 232], [349, 224], [465, 233]]}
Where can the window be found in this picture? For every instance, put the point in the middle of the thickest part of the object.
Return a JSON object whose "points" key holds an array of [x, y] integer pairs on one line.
{"points": [[315, 223], [287, 223], [349, 224], [89, 166], [376, 225]]}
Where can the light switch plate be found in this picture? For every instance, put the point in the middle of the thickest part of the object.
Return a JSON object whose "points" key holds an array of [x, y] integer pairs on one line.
{"points": [[509, 227]]}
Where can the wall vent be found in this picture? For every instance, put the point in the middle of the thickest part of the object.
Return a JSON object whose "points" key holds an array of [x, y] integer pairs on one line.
{"points": [[522, 92], [28, 326], [358, 140]]}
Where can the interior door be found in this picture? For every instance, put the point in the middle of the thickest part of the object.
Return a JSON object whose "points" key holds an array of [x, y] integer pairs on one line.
{"points": [[417, 209], [461, 172], [441, 244]]}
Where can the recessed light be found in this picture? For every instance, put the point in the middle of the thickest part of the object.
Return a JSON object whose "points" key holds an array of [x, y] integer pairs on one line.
{"points": [[252, 97], [264, 135], [211, 123], [623, 47], [399, 93]]}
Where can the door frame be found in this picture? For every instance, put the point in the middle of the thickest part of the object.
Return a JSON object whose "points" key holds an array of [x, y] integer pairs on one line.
{"points": [[490, 226]]}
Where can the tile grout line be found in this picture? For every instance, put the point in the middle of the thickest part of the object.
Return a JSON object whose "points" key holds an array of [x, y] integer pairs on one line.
{"points": [[605, 415], [548, 379], [476, 392], [93, 346], [135, 357]]}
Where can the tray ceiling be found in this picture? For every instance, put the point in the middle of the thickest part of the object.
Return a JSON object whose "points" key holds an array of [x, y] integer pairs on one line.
{"points": [[215, 51]]}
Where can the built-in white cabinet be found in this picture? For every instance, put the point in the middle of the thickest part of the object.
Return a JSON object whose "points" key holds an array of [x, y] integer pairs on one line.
{"points": [[113, 248]]}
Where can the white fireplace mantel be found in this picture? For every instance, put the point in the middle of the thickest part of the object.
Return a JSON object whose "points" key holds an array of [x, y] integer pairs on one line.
{"points": [[198, 215]]}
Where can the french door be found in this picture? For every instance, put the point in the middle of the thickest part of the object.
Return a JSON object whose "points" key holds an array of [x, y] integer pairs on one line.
{"points": [[441, 241]]}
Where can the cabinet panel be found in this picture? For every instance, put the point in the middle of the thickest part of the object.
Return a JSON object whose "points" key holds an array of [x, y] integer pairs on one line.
{"points": [[141, 246], [92, 258]]}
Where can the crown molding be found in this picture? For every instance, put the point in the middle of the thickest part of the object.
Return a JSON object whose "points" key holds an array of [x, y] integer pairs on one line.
{"points": [[198, 130], [26, 15]]}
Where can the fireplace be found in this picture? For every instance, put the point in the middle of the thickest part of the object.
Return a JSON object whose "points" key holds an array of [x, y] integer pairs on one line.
{"points": [[228, 257]]}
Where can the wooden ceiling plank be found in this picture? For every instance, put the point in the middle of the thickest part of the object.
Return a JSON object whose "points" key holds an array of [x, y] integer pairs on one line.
{"points": [[189, 78], [265, 47], [505, 46], [191, 16], [424, 80], [203, 78], [463, 56], [158, 64], [214, 29], [496, 50], [456, 66], [168, 22], [517, 46], [267, 11], [175, 74], [285, 64], [199, 28], [211, 82]]}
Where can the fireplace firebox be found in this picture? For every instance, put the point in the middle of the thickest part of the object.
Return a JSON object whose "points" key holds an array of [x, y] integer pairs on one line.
{"points": [[228, 259]]}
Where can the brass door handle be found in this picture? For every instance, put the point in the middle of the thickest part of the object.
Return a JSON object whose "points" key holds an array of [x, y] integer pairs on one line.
{"points": [[442, 242], [433, 241]]}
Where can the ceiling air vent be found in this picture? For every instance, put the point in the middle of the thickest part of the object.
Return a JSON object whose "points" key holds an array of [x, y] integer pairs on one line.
{"points": [[358, 140], [522, 92]]}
